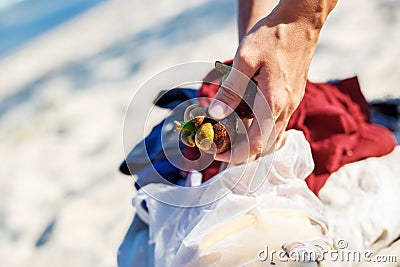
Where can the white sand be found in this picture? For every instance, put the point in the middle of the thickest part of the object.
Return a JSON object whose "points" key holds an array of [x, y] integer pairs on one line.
{"points": [[63, 98]]}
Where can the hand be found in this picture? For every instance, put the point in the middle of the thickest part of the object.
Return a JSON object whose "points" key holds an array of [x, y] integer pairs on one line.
{"points": [[276, 53]]}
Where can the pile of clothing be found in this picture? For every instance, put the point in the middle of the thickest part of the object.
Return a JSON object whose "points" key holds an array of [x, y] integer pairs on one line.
{"points": [[352, 168]]}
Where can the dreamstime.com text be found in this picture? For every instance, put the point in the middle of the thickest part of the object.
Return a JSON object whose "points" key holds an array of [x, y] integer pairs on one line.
{"points": [[341, 254]]}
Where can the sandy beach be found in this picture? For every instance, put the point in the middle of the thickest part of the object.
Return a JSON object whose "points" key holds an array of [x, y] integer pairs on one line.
{"points": [[64, 94]]}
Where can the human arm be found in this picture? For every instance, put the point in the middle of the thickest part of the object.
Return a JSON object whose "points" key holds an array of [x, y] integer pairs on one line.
{"points": [[276, 53]]}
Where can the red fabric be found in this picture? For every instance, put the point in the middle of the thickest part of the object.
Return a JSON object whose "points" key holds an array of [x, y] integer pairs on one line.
{"points": [[193, 153], [335, 120]]}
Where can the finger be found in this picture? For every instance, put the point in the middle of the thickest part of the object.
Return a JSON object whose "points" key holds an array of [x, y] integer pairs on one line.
{"points": [[280, 128], [262, 129], [239, 152], [241, 138], [262, 133], [258, 139], [232, 90], [281, 103]]}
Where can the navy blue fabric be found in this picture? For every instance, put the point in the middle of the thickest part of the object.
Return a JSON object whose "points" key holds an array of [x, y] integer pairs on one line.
{"points": [[153, 149], [164, 169], [387, 113], [158, 162], [172, 98], [166, 99]]}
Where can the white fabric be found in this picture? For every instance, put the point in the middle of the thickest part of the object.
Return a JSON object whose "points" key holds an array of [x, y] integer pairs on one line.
{"points": [[230, 231], [359, 202], [362, 202]]}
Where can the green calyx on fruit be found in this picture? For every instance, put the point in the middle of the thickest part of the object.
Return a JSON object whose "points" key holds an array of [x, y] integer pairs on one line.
{"points": [[184, 126], [224, 69], [207, 134], [187, 132], [188, 138]]}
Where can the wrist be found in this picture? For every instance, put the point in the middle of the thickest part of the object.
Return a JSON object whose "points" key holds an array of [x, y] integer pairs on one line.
{"points": [[311, 13]]}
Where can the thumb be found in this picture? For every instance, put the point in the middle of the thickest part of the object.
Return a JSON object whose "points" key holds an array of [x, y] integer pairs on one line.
{"points": [[232, 90]]}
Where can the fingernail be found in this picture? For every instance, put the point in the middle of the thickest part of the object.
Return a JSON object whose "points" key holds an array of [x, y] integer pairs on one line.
{"points": [[217, 110]]}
